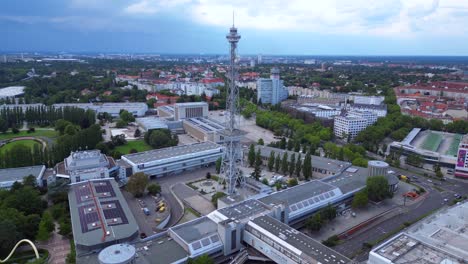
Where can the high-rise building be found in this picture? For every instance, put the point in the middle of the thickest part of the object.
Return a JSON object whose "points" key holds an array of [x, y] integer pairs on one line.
{"points": [[461, 167], [271, 91], [259, 59]]}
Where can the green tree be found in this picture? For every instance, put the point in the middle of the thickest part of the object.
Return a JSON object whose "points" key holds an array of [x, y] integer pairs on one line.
{"points": [[314, 223], [298, 168], [70, 130], [377, 188], [328, 213], [257, 166], [292, 164], [154, 188], [30, 180], [137, 184], [216, 196], [251, 155], [218, 164], [360, 199], [260, 142], [65, 228], [126, 116], [277, 162], [203, 259], [271, 161], [46, 226], [292, 182], [3, 126], [137, 133], [307, 166], [284, 163], [9, 235], [290, 144]]}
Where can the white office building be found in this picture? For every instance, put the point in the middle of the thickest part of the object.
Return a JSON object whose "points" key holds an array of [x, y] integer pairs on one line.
{"points": [[271, 91], [348, 126], [354, 122]]}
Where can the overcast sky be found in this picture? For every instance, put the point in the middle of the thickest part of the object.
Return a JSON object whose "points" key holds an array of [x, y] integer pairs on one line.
{"points": [[308, 27]]}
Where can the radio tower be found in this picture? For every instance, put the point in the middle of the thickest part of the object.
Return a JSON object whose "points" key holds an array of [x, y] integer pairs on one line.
{"points": [[232, 156]]}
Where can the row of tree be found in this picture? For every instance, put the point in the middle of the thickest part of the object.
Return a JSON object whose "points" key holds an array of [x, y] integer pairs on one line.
{"points": [[44, 115], [292, 166], [21, 155]]}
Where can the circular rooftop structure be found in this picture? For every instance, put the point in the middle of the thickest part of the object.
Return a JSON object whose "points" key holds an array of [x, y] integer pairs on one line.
{"points": [[378, 168], [117, 254], [378, 163]]}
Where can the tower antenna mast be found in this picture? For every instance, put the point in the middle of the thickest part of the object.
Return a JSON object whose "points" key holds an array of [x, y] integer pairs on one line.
{"points": [[232, 135]]}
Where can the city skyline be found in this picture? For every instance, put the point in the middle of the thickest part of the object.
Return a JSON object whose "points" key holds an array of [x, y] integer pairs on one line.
{"points": [[192, 27]]}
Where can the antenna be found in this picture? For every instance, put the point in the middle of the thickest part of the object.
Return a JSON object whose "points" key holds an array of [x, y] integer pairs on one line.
{"points": [[232, 18]]}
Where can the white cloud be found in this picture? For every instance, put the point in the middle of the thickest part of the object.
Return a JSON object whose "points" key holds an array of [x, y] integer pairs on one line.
{"points": [[402, 18], [153, 6]]}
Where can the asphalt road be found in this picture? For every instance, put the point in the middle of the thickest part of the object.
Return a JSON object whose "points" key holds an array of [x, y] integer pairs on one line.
{"points": [[168, 181], [433, 201]]}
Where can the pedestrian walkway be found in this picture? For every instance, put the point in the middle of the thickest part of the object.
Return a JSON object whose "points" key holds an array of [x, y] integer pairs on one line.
{"points": [[58, 247]]}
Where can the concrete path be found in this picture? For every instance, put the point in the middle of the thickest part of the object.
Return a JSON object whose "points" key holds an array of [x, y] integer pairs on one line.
{"points": [[58, 247]]}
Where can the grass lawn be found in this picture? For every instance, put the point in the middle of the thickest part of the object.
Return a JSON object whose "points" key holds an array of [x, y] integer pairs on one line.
{"points": [[139, 145], [39, 132], [28, 143]]}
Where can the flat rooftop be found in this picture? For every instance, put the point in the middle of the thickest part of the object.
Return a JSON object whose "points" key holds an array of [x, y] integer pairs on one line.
{"points": [[196, 229], [11, 91], [164, 249], [100, 214], [206, 124], [303, 244], [243, 210], [17, 174], [441, 236], [171, 152], [349, 180], [298, 193], [406, 249], [151, 122]]}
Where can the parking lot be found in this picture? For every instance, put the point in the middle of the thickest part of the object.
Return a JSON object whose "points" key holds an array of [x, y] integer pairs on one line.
{"points": [[254, 132], [147, 222]]}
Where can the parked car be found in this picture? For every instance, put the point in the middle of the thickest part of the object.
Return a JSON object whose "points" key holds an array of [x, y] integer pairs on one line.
{"points": [[146, 211]]}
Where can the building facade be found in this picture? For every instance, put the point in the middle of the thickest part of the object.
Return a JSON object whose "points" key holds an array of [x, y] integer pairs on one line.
{"points": [[87, 165], [461, 167], [271, 91], [349, 126], [190, 110], [11, 175], [160, 162]]}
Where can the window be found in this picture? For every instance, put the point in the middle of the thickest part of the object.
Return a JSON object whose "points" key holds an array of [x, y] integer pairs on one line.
{"points": [[233, 239]]}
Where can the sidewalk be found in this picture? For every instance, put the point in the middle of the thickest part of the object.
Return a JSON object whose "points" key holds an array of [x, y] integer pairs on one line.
{"points": [[58, 247]]}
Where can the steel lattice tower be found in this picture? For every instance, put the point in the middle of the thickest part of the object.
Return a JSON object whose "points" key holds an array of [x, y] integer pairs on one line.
{"points": [[232, 156]]}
